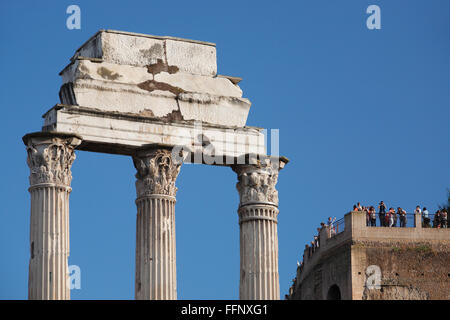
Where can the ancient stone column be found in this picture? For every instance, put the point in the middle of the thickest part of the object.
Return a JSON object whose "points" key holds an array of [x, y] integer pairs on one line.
{"points": [[157, 172], [50, 157], [258, 211]]}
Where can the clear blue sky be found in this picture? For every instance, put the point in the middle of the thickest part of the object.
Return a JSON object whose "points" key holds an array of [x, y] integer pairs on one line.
{"points": [[363, 116]]}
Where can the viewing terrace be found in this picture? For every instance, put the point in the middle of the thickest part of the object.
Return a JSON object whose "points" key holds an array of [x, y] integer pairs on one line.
{"points": [[353, 229]]}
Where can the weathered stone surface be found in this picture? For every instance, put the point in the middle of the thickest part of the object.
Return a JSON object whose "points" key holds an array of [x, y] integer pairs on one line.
{"points": [[156, 76], [122, 133], [257, 182], [50, 157], [227, 111], [192, 57], [119, 97], [136, 49], [156, 174], [258, 212], [130, 89], [105, 71]]}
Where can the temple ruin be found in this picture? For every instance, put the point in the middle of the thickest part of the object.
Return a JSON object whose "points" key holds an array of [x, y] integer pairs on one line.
{"points": [[160, 101]]}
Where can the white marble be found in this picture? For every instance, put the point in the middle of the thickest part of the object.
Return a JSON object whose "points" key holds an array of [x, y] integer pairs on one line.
{"points": [[154, 76], [155, 225], [136, 49], [258, 211], [122, 133], [50, 157]]}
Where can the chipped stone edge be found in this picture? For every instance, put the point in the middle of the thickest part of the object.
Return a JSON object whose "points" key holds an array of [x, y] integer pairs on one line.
{"points": [[73, 60], [234, 80], [139, 118], [145, 36]]}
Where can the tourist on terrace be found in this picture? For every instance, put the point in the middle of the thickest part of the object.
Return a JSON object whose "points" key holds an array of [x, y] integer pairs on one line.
{"points": [[402, 215], [331, 226], [382, 213], [317, 238], [373, 217], [313, 246], [418, 211], [396, 216], [358, 205], [444, 218], [390, 217], [437, 220], [426, 219], [367, 216]]}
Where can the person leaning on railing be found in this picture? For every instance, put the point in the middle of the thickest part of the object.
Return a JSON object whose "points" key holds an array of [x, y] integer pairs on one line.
{"points": [[390, 217], [373, 217], [426, 218], [444, 218], [440, 219], [382, 213], [418, 211], [402, 218], [437, 220], [366, 211], [317, 238], [331, 226]]}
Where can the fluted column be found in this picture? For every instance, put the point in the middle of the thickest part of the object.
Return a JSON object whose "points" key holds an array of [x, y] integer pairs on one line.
{"points": [[50, 157], [258, 211], [155, 225]]}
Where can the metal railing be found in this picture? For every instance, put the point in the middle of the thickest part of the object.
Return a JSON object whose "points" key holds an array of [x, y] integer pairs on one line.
{"points": [[410, 221], [433, 222], [339, 226], [384, 221]]}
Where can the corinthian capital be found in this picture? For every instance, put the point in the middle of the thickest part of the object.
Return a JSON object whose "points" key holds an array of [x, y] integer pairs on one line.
{"points": [[256, 182], [156, 172], [50, 157]]}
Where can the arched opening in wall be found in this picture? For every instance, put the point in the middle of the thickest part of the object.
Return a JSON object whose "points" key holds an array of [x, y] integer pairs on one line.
{"points": [[334, 293]]}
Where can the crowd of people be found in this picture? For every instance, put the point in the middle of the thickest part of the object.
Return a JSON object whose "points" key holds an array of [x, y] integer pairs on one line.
{"points": [[389, 218]]}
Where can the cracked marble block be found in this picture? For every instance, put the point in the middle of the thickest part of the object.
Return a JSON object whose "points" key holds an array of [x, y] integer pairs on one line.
{"points": [[165, 78]]}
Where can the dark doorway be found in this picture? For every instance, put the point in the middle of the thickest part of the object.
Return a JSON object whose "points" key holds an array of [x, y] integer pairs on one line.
{"points": [[334, 293]]}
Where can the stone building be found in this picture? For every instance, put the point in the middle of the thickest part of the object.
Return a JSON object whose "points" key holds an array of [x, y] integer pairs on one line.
{"points": [[355, 262]]}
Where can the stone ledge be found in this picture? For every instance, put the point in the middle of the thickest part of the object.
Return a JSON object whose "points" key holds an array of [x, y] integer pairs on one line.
{"points": [[122, 133]]}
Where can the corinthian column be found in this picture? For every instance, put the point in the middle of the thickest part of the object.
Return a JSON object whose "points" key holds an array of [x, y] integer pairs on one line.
{"points": [[258, 211], [155, 225], [50, 157]]}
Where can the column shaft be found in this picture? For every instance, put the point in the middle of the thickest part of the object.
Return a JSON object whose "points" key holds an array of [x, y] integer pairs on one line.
{"points": [[49, 243], [259, 253], [50, 157], [155, 249], [258, 211], [155, 277]]}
